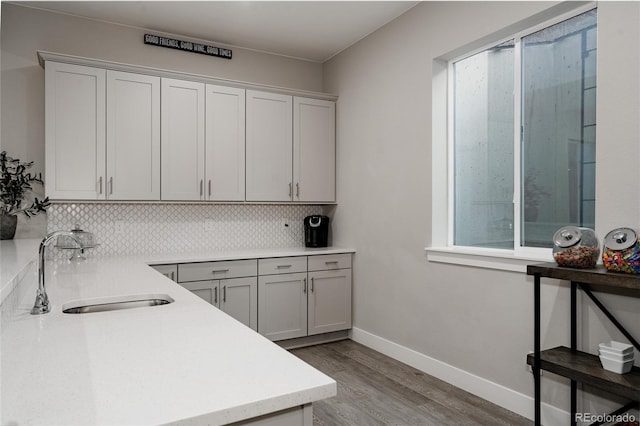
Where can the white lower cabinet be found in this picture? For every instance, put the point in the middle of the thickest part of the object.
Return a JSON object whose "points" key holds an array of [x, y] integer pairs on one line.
{"points": [[329, 306], [235, 294], [282, 306], [281, 298], [170, 271], [239, 298], [311, 300]]}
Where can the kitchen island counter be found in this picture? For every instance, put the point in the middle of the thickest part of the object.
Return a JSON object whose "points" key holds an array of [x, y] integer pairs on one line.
{"points": [[185, 362]]}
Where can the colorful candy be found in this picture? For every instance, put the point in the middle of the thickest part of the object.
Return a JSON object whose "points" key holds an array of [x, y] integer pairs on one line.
{"points": [[627, 260]]}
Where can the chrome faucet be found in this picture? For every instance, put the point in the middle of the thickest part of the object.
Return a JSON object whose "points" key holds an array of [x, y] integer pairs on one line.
{"points": [[41, 306]]}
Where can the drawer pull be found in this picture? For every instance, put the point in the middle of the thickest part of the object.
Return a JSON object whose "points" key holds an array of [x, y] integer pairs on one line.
{"points": [[219, 271], [331, 262], [283, 266]]}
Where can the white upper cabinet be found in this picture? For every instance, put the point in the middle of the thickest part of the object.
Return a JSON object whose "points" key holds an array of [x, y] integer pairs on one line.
{"points": [[75, 132], [269, 147], [290, 148], [225, 139], [119, 133], [183, 125], [103, 134], [314, 150], [133, 136]]}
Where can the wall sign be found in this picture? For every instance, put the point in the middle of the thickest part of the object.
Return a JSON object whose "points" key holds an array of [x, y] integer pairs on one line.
{"points": [[187, 46]]}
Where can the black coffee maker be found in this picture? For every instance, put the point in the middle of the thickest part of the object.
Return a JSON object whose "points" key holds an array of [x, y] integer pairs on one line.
{"points": [[316, 231]]}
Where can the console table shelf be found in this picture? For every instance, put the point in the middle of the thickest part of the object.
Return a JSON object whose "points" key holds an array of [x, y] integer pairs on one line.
{"points": [[581, 367], [586, 368]]}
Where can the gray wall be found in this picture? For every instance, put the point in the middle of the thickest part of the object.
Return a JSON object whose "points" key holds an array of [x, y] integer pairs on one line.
{"points": [[25, 31], [478, 320]]}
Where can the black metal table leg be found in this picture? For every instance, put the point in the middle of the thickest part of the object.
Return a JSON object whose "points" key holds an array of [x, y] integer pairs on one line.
{"points": [[574, 347], [536, 348]]}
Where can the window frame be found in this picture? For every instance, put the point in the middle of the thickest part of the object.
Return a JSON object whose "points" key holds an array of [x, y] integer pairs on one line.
{"points": [[442, 248]]}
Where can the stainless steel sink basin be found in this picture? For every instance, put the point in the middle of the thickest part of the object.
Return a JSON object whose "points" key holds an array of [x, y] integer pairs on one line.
{"points": [[115, 303]]}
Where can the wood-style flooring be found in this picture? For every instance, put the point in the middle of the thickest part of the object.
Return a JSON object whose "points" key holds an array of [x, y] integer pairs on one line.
{"points": [[374, 389]]}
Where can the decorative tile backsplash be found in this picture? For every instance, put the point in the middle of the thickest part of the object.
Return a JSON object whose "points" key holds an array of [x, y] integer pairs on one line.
{"points": [[168, 228]]}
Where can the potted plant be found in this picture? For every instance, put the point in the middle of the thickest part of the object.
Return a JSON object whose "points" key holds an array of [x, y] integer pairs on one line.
{"points": [[15, 184]]}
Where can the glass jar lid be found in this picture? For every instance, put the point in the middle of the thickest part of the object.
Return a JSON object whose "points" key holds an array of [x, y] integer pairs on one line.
{"points": [[620, 238], [567, 236]]}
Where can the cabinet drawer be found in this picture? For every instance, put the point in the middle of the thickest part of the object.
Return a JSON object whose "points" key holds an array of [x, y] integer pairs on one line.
{"points": [[169, 271], [217, 270], [329, 261], [282, 265]]}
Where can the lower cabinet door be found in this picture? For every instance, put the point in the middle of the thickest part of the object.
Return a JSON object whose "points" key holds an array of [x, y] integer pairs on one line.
{"points": [[329, 301], [239, 299], [282, 306], [207, 290]]}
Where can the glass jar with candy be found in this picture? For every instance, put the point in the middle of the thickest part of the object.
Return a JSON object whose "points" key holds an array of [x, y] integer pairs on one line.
{"points": [[621, 251], [575, 247]]}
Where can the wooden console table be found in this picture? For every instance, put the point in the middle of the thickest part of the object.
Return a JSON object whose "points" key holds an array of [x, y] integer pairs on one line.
{"points": [[568, 361]]}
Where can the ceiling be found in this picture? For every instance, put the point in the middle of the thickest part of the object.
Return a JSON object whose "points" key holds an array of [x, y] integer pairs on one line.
{"points": [[311, 30]]}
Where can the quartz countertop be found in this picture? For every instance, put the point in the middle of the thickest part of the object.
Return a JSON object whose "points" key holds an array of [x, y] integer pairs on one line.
{"points": [[15, 256], [185, 362]]}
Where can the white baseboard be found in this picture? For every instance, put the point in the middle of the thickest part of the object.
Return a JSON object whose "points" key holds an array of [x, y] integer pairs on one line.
{"points": [[500, 395]]}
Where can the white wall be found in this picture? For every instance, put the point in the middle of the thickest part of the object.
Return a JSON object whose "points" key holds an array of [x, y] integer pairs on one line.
{"points": [[476, 320], [24, 31]]}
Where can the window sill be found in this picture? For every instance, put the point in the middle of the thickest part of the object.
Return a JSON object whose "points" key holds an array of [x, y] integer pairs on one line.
{"points": [[503, 260]]}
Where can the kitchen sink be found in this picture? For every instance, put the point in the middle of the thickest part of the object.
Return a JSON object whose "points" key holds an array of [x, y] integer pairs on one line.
{"points": [[115, 303]]}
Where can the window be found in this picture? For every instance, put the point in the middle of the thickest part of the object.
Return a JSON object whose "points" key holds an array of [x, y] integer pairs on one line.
{"points": [[522, 137]]}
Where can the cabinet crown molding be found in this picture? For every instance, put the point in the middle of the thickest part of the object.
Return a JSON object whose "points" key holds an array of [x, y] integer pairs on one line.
{"points": [[44, 56]]}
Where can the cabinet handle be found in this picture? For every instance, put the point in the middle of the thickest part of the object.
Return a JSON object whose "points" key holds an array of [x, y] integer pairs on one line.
{"points": [[311, 284], [283, 266], [289, 189], [173, 276], [304, 285], [100, 185], [331, 262], [297, 190], [215, 297], [111, 185], [201, 187], [209, 187], [219, 271], [224, 294]]}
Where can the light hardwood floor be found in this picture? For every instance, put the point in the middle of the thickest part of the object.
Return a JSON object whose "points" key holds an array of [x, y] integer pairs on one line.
{"points": [[374, 389]]}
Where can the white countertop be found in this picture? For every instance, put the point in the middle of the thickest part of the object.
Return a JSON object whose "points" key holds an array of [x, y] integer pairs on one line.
{"points": [[185, 362], [15, 256]]}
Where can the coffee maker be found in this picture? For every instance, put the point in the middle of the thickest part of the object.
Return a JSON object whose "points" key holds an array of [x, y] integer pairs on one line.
{"points": [[316, 231]]}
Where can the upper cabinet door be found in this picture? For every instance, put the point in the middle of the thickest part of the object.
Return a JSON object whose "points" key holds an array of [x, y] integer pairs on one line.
{"points": [[75, 132], [314, 150], [224, 149], [183, 124], [269, 147], [133, 136]]}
